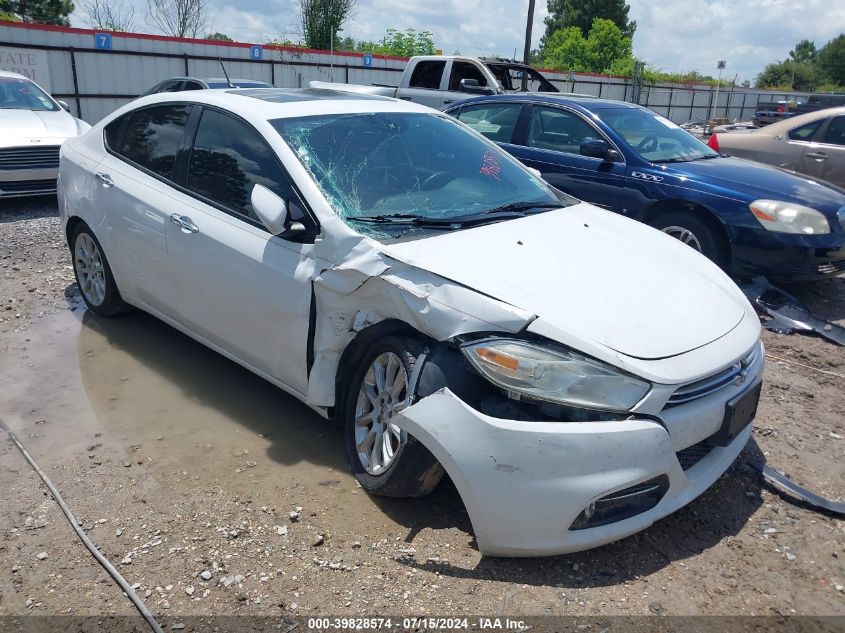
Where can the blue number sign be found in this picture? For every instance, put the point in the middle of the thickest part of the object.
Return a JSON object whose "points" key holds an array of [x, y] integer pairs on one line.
{"points": [[256, 52], [368, 61], [102, 41]]}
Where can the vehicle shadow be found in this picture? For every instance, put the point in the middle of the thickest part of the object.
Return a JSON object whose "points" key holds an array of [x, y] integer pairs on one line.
{"points": [[28, 208], [298, 434]]}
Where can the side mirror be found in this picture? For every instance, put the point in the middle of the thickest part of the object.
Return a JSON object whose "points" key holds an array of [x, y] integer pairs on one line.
{"points": [[273, 212], [473, 87], [64, 105], [597, 148]]}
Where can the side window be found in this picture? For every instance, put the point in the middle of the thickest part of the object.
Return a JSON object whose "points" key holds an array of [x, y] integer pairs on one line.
{"points": [[465, 70], [112, 133], [496, 121], [559, 130], [427, 74], [835, 133], [804, 132], [192, 85], [174, 85], [228, 158], [153, 136]]}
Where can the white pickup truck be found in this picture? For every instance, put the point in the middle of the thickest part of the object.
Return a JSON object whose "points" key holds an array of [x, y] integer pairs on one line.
{"points": [[438, 80]]}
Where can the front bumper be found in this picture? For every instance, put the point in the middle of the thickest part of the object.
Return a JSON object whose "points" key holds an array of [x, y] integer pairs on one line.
{"points": [[525, 483], [787, 257]]}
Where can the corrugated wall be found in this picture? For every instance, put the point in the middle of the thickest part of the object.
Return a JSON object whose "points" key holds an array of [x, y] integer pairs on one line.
{"points": [[107, 79]]}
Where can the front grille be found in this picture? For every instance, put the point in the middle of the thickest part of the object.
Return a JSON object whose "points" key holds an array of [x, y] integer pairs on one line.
{"points": [[830, 268], [711, 384], [27, 186], [46, 157], [691, 455]]}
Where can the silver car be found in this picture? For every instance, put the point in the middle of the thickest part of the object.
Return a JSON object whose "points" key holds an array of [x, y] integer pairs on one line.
{"points": [[812, 144], [33, 126]]}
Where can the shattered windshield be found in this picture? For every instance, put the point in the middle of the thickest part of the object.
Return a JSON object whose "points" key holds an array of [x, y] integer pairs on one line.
{"points": [[408, 168], [655, 138]]}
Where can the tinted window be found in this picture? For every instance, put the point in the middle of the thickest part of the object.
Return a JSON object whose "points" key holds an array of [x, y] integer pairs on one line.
{"points": [[559, 130], [804, 132], [228, 158], [496, 121], [835, 133], [427, 75], [153, 136], [112, 133], [465, 70]]}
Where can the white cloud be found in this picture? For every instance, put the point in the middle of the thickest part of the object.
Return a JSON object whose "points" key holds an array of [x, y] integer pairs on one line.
{"points": [[674, 36]]}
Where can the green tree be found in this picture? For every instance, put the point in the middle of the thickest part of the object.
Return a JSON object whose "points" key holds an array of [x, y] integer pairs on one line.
{"points": [[804, 52], [219, 37], [40, 11], [582, 13], [788, 75], [605, 49], [322, 20], [831, 61]]}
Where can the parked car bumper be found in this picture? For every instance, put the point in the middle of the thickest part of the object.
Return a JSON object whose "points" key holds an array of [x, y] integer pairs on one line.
{"points": [[526, 485], [788, 257], [28, 170]]}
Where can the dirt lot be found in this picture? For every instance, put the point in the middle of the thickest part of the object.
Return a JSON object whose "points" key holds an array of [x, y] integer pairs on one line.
{"points": [[184, 468]]}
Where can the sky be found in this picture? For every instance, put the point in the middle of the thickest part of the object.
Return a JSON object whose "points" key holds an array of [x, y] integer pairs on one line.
{"points": [[679, 35]]}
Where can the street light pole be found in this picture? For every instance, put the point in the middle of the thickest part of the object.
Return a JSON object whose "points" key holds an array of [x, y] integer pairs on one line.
{"points": [[721, 66]]}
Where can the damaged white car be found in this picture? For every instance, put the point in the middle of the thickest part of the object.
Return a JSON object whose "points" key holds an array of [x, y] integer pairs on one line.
{"points": [[578, 375]]}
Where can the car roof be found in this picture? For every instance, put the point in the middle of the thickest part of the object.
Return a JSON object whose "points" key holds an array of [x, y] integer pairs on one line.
{"points": [[558, 98], [8, 73], [801, 119], [277, 103]]}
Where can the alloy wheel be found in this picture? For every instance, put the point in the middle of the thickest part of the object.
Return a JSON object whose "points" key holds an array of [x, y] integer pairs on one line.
{"points": [[89, 269], [383, 394], [684, 235]]}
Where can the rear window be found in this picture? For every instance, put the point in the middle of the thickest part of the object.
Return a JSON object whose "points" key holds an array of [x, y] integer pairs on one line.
{"points": [[153, 136], [427, 74]]}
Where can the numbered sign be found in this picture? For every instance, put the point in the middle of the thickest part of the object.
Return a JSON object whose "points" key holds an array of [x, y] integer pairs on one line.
{"points": [[256, 52], [102, 41], [367, 61]]}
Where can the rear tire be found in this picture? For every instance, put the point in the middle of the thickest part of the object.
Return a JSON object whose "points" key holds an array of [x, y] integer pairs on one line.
{"points": [[696, 233], [385, 460], [93, 274]]}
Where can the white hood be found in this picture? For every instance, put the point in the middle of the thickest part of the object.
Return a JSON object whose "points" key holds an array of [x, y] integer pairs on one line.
{"points": [[25, 125], [596, 276]]}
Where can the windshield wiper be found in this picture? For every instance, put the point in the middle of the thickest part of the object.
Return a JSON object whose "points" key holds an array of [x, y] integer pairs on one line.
{"points": [[402, 218], [523, 205]]}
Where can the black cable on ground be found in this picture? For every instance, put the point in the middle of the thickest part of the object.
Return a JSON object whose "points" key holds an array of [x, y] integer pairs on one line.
{"points": [[127, 588]]}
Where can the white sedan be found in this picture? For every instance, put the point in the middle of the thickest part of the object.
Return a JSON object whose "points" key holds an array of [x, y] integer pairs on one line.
{"points": [[32, 127], [577, 374]]}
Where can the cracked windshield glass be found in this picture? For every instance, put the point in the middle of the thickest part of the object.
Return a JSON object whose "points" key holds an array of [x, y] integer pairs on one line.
{"points": [[386, 173]]}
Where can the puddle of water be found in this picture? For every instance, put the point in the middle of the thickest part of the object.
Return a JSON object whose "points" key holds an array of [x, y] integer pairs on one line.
{"points": [[192, 417]]}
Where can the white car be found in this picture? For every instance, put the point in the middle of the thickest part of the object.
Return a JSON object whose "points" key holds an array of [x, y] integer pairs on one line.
{"points": [[32, 127], [577, 374]]}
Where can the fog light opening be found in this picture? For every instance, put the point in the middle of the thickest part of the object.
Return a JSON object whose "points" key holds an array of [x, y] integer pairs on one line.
{"points": [[622, 504]]}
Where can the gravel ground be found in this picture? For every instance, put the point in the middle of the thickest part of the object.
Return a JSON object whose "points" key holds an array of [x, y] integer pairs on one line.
{"points": [[216, 494]]}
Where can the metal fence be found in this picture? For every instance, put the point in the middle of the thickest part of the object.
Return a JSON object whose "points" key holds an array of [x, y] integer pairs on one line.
{"points": [[98, 72]]}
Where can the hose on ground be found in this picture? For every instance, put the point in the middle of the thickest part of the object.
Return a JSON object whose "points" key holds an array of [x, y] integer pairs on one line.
{"points": [[127, 588]]}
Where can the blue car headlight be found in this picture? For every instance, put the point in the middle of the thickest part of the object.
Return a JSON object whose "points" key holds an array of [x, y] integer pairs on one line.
{"points": [[788, 217]]}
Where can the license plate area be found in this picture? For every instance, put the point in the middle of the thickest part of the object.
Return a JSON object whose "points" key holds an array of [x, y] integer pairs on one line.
{"points": [[739, 412]]}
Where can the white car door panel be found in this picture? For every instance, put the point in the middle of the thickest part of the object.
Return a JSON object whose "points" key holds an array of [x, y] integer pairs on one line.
{"points": [[228, 279], [240, 288]]}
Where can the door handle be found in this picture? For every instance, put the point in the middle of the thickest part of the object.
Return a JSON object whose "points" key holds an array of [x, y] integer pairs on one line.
{"points": [[816, 155], [184, 223], [105, 179]]}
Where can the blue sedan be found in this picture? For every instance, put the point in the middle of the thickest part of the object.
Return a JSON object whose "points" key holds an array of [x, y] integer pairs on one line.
{"points": [[749, 218]]}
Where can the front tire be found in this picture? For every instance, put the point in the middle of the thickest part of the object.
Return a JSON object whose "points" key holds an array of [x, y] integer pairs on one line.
{"points": [[696, 233], [385, 460], [93, 274]]}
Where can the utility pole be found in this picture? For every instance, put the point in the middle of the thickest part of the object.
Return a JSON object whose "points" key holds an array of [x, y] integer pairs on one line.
{"points": [[526, 56], [721, 66]]}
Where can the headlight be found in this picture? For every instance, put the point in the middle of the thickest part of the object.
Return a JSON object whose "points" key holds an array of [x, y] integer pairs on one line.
{"points": [[554, 375], [786, 217]]}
